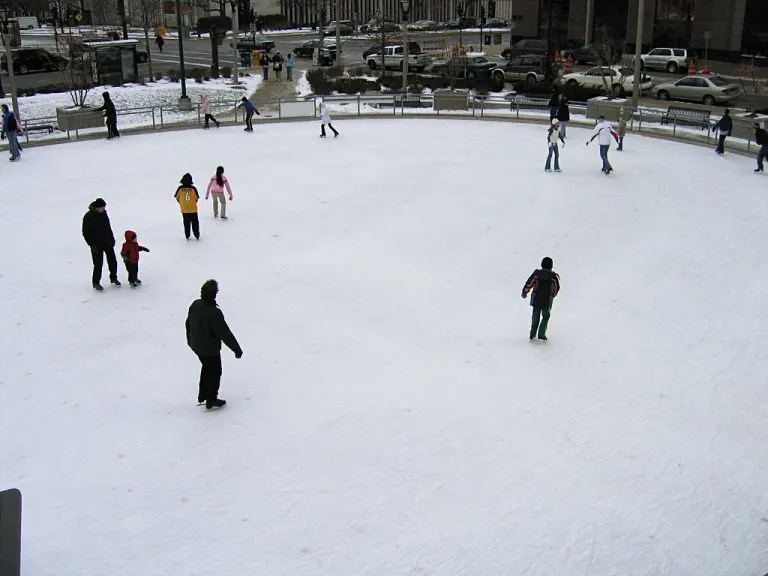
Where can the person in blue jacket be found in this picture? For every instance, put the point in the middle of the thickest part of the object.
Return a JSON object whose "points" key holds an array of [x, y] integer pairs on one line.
{"points": [[249, 108], [11, 131]]}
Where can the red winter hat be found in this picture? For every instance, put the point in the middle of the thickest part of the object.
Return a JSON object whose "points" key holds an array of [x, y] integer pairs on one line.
{"points": [[130, 235]]}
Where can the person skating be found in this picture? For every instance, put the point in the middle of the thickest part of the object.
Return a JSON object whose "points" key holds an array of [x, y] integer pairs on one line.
{"points": [[187, 196], [563, 115], [160, 41], [11, 130], [604, 132], [205, 109], [216, 187], [552, 137], [554, 102], [206, 329], [761, 139], [544, 284], [130, 253], [110, 113], [97, 232], [325, 119], [277, 66], [622, 130], [725, 126], [289, 67], [250, 110]]}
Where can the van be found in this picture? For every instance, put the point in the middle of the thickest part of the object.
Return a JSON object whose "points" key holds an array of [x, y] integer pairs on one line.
{"points": [[26, 22]]}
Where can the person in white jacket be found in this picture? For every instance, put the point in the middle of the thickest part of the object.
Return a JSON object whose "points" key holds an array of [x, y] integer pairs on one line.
{"points": [[325, 118], [604, 132], [553, 135], [205, 109]]}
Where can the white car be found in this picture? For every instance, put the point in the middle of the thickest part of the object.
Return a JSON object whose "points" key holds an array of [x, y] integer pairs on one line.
{"points": [[619, 78]]}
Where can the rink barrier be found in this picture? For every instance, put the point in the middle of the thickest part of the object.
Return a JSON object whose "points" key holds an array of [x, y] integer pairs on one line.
{"points": [[644, 120]]}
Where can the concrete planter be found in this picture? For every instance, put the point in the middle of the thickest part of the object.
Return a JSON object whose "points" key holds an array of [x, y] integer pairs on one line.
{"points": [[70, 119], [444, 100], [610, 108], [744, 125]]}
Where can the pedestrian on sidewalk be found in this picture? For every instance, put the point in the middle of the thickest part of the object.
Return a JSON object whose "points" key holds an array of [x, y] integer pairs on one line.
{"points": [[725, 126], [264, 61], [289, 68], [216, 187], [187, 196], [97, 233], [160, 41], [545, 285], [205, 108], [552, 136], [130, 253], [325, 119], [622, 130], [604, 132], [110, 113], [761, 139], [11, 130], [277, 66], [250, 110], [206, 329]]}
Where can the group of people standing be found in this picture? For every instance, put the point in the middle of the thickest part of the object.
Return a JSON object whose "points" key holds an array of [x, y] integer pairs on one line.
{"points": [[277, 62]]}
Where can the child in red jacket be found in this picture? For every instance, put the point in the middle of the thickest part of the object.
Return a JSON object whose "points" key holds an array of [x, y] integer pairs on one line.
{"points": [[130, 254]]}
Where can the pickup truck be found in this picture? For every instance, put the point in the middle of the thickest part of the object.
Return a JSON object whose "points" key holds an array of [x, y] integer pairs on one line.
{"points": [[254, 42], [393, 58]]}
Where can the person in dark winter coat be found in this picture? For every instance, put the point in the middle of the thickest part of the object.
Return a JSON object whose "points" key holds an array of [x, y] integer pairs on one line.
{"points": [[544, 284], [187, 196], [160, 41], [264, 62], [110, 113], [97, 232], [554, 103], [206, 330], [725, 126], [11, 130], [130, 254], [761, 139], [563, 115], [277, 66], [250, 110]]}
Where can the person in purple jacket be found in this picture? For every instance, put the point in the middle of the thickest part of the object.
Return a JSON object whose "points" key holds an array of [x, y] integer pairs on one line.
{"points": [[250, 109]]}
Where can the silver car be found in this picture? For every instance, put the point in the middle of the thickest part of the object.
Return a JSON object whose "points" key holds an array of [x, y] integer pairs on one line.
{"points": [[673, 60], [699, 88]]}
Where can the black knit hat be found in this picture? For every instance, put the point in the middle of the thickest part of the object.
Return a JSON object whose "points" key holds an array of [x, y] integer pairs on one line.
{"points": [[186, 180], [209, 290], [99, 203], [546, 263]]}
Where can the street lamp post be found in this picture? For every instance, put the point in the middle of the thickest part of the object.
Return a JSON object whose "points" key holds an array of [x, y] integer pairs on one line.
{"points": [[184, 102], [405, 6], [235, 33], [588, 25], [338, 33], [11, 76], [638, 53]]}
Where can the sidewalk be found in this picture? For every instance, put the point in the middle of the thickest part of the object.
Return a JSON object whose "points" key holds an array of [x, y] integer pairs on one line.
{"points": [[269, 92]]}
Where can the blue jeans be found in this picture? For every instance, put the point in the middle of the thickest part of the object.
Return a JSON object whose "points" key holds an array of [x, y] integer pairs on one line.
{"points": [[13, 144], [761, 156], [553, 149], [604, 155], [561, 132]]}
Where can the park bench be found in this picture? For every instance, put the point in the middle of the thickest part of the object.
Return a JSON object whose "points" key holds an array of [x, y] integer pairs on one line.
{"points": [[520, 102], [408, 100], [47, 128], [691, 116]]}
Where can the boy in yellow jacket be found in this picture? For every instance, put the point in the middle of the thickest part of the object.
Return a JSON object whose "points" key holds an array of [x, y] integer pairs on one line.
{"points": [[187, 197]]}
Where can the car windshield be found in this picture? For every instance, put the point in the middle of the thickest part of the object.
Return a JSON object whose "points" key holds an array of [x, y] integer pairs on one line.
{"points": [[719, 81], [479, 60]]}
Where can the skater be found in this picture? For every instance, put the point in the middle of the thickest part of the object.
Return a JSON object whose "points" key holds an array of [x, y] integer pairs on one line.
{"points": [[205, 108], [97, 232], [130, 253], [622, 131], [563, 115], [289, 68], [325, 118], [604, 132], [545, 285], [725, 126], [249, 109], [187, 196], [277, 66], [552, 136], [160, 41], [216, 187], [761, 139], [11, 130], [111, 115], [206, 329], [264, 62], [554, 102]]}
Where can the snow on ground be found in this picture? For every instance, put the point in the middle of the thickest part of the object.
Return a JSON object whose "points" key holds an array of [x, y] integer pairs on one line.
{"points": [[389, 416], [129, 96]]}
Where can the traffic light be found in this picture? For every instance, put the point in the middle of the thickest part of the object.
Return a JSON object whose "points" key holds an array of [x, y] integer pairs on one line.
{"points": [[482, 15], [491, 8]]}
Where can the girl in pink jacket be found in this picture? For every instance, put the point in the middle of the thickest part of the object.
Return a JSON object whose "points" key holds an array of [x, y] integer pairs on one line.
{"points": [[216, 187]]}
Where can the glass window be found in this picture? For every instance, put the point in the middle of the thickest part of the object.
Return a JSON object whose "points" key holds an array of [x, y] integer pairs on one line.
{"points": [[701, 83], [686, 82], [679, 53], [719, 81]]}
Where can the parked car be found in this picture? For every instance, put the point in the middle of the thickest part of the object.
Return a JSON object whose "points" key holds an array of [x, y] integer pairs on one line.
{"points": [[496, 23], [423, 25], [307, 50], [346, 28], [469, 67], [375, 26], [394, 58], [525, 46], [703, 88], [413, 48], [253, 41], [27, 60], [530, 68], [26, 22], [583, 55], [461, 23], [672, 60], [620, 79]]}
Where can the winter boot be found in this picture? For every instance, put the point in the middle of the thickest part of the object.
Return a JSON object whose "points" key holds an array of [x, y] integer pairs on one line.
{"points": [[544, 338], [98, 287], [215, 404], [115, 281]]}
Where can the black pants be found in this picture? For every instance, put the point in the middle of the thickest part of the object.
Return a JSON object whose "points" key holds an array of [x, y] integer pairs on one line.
{"points": [[210, 379], [133, 271], [539, 322], [191, 221], [249, 121], [97, 255], [210, 117], [322, 129], [721, 144], [112, 128]]}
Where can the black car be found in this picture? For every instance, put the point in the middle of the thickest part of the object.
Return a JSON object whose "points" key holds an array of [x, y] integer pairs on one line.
{"points": [[34, 60], [254, 42], [583, 55], [413, 48], [307, 50]]}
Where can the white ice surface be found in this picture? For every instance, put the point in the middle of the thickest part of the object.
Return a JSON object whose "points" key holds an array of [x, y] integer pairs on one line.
{"points": [[389, 416]]}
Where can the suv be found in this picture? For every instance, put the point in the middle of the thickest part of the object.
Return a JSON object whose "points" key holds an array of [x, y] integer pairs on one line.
{"points": [[670, 59], [34, 60], [307, 50], [525, 46], [254, 42], [413, 48], [530, 68], [346, 28], [393, 58]]}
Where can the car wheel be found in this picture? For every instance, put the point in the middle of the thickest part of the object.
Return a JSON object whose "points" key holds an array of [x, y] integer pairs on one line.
{"points": [[499, 77], [23, 69], [531, 79], [471, 75], [572, 83], [672, 67], [709, 100], [372, 64], [402, 66], [662, 95]]}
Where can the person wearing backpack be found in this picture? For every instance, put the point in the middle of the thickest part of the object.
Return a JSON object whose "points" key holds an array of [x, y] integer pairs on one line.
{"points": [[544, 285]]}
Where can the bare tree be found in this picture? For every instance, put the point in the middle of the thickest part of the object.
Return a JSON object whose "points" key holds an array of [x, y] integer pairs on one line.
{"points": [[102, 10], [77, 75], [36, 7], [145, 15]]}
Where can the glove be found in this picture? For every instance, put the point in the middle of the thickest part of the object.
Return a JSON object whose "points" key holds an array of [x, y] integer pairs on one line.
{"points": [[587, 142], [146, 249], [2, 136], [239, 354], [206, 196], [230, 198], [523, 294], [258, 113]]}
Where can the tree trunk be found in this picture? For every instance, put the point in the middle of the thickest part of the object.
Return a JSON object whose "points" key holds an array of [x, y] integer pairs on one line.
{"points": [[149, 55]]}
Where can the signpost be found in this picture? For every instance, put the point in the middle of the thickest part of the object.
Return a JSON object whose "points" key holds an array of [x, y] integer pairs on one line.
{"points": [[10, 532], [707, 38]]}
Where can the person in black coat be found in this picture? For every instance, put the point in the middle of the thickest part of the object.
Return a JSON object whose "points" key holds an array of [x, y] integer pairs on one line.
{"points": [[110, 113], [545, 285], [554, 103], [97, 232], [725, 126], [206, 330], [563, 115], [761, 139]]}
